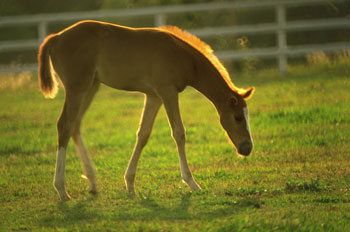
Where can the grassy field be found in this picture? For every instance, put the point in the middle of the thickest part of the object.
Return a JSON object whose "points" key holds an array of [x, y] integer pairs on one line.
{"points": [[296, 179]]}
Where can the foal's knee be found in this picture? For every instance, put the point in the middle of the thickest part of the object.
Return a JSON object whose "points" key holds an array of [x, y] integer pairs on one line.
{"points": [[76, 134], [179, 135], [143, 136]]}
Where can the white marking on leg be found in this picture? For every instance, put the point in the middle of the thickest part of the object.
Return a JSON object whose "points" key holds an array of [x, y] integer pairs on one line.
{"points": [[245, 111], [186, 174], [88, 166], [60, 174], [178, 133]]}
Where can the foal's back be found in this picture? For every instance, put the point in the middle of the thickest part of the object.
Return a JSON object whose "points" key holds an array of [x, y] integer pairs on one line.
{"points": [[121, 57]]}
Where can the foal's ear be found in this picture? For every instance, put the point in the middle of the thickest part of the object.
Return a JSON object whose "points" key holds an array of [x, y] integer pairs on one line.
{"points": [[249, 93]]}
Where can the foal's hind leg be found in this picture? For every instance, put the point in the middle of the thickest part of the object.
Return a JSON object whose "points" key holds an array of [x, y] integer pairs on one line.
{"points": [[64, 128], [152, 105], [88, 166]]}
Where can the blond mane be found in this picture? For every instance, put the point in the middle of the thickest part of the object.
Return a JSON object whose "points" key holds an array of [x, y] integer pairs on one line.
{"points": [[204, 49]]}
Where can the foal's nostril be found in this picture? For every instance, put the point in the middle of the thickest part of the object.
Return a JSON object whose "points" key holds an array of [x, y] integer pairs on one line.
{"points": [[245, 148]]}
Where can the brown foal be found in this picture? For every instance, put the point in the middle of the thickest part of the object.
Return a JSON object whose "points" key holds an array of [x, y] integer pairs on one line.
{"points": [[159, 62]]}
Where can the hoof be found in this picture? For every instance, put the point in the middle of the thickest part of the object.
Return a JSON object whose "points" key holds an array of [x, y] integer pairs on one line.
{"points": [[64, 197], [197, 188], [193, 185], [130, 189], [131, 193], [93, 191]]}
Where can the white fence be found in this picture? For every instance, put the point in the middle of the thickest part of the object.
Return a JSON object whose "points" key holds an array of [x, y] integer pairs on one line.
{"points": [[280, 27]]}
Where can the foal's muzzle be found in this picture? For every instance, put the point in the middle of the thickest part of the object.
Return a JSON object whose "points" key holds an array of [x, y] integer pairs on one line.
{"points": [[245, 148]]}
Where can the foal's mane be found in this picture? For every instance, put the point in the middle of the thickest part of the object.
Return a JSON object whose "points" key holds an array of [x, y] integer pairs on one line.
{"points": [[205, 50]]}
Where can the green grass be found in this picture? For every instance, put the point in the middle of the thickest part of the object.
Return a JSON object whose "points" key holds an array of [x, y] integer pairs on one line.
{"points": [[296, 179]]}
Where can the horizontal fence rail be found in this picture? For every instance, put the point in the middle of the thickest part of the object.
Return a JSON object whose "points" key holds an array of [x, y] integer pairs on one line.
{"points": [[280, 27]]}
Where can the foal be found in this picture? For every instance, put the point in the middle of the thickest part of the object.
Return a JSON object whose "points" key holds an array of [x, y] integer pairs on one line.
{"points": [[159, 62]]}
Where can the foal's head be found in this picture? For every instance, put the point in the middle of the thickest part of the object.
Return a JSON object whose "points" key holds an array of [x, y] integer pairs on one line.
{"points": [[234, 119]]}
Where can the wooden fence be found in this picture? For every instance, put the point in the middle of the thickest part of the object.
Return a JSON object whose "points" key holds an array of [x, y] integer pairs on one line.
{"points": [[280, 27]]}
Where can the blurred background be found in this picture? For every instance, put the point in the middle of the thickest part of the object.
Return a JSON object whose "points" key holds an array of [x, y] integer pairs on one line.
{"points": [[246, 35]]}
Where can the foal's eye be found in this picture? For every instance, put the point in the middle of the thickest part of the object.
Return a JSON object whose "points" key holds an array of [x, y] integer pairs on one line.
{"points": [[238, 118]]}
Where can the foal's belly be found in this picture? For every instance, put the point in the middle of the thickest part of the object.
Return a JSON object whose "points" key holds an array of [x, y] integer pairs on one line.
{"points": [[116, 78]]}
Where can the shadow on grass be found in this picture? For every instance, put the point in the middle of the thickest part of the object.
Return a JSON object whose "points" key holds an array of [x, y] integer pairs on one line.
{"points": [[149, 209], [144, 208], [158, 211], [66, 214]]}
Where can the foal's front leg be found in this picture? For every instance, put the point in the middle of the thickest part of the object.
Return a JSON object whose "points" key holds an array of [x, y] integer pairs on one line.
{"points": [[171, 103], [152, 105]]}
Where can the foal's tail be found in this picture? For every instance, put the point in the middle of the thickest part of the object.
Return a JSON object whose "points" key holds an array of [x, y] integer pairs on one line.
{"points": [[47, 83]]}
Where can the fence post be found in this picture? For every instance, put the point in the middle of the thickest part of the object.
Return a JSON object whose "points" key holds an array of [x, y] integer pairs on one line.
{"points": [[281, 37], [42, 31], [159, 20]]}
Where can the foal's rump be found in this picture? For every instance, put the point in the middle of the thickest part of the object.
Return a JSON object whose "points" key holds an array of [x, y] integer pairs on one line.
{"points": [[71, 53]]}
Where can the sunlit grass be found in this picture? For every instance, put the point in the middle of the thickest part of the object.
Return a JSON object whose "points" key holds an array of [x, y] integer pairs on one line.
{"points": [[14, 81], [296, 179]]}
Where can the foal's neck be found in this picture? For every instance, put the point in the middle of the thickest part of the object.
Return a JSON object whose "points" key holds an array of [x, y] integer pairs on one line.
{"points": [[209, 82]]}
